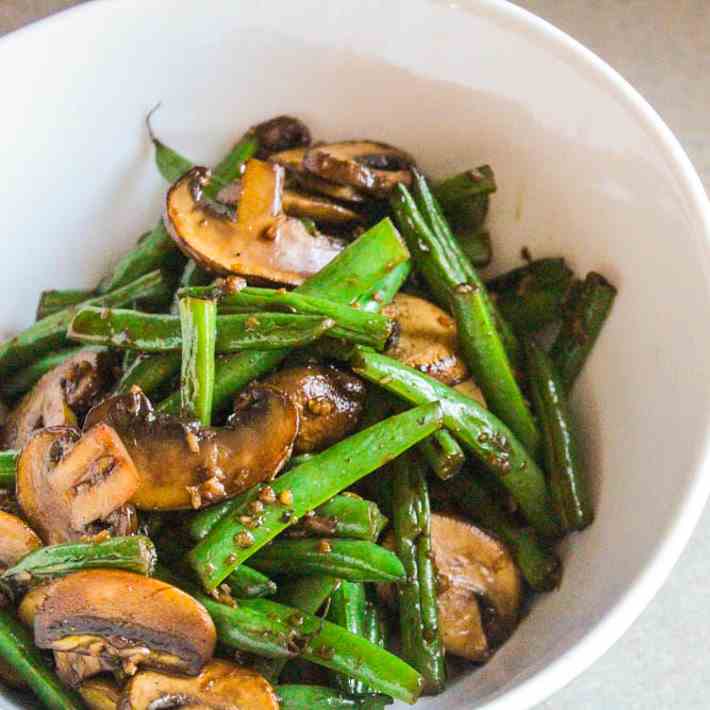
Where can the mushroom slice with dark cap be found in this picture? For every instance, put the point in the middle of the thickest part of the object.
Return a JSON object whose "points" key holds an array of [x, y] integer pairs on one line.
{"points": [[68, 390], [71, 485], [281, 133], [17, 539], [74, 668], [329, 400], [375, 168], [479, 587], [427, 339], [263, 244], [100, 694], [126, 619], [183, 465], [221, 686], [292, 160]]}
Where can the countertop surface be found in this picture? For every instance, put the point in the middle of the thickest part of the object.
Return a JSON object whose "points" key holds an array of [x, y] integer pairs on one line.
{"points": [[663, 48]]}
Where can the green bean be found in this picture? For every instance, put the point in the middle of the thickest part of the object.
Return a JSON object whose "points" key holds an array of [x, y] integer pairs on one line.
{"points": [[586, 313], [248, 583], [347, 609], [422, 644], [464, 198], [8, 468], [352, 273], [352, 560], [193, 276], [50, 333], [317, 697], [532, 296], [307, 594], [154, 250], [134, 553], [53, 301], [150, 372], [306, 487], [475, 427], [17, 649], [352, 324], [333, 647], [443, 454], [171, 165], [20, 382], [479, 339], [343, 516], [384, 290], [198, 321], [537, 563], [273, 630], [567, 481], [160, 332]]}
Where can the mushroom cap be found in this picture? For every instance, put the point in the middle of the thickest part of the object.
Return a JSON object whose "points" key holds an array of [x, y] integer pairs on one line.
{"points": [[480, 589], [220, 686], [66, 482], [330, 403], [135, 618], [262, 244], [427, 339], [100, 693], [58, 396], [179, 464]]}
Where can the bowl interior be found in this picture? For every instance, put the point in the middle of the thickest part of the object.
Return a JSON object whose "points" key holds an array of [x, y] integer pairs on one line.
{"points": [[582, 172]]}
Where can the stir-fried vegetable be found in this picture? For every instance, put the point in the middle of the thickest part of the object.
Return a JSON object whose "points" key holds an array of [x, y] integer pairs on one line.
{"points": [[314, 373]]}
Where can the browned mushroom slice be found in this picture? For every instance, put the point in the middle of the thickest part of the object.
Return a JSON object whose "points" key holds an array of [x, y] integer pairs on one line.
{"points": [[262, 244], [64, 392], [32, 601], [330, 402], [427, 339], [375, 168], [292, 160], [100, 694], [281, 133], [70, 486], [17, 539], [184, 465], [125, 619], [319, 209], [479, 587], [221, 686], [75, 668]]}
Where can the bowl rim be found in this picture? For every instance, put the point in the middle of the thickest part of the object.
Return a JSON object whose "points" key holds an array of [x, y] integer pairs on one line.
{"points": [[607, 631]]}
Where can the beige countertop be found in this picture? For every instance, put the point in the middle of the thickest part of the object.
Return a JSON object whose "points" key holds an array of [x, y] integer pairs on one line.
{"points": [[663, 48]]}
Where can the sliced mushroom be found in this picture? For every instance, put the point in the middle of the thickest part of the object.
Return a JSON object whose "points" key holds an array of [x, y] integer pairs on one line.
{"points": [[68, 390], [100, 694], [427, 339], [281, 133], [221, 686], [319, 209], [32, 601], [186, 466], [17, 539], [479, 587], [70, 486], [292, 160], [375, 168], [74, 668], [125, 619], [330, 402], [262, 244]]}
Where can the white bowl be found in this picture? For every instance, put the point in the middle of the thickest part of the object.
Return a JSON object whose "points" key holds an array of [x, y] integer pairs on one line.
{"points": [[585, 168]]}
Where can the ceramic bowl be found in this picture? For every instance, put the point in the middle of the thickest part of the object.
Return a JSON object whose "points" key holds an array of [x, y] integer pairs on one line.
{"points": [[585, 168]]}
